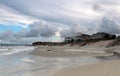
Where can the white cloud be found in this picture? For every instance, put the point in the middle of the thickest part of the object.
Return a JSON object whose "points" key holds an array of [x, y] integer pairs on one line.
{"points": [[10, 16], [54, 10]]}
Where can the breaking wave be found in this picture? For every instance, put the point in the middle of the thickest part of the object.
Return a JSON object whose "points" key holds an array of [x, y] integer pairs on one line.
{"points": [[7, 50]]}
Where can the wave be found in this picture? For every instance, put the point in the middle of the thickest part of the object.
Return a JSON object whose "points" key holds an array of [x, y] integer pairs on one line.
{"points": [[28, 60], [12, 50]]}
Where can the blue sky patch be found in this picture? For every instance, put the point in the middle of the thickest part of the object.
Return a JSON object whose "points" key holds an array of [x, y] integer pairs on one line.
{"points": [[13, 28]]}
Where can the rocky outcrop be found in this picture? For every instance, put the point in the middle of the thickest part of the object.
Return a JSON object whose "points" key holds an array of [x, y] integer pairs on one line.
{"points": [[115, 42]]}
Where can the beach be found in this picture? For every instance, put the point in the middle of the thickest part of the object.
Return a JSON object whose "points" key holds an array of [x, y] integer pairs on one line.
{"points": [[104, 65], [92, 49], [60, 60], [18, 61], [59, 37]]}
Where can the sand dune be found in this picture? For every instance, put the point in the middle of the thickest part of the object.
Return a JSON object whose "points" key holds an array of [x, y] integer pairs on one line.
{"points": [[63, 51], [92, 49]]}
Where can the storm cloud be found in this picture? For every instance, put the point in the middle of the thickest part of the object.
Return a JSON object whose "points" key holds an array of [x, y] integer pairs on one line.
{"points": [[49, 19], [109, 25], [41, 29]]}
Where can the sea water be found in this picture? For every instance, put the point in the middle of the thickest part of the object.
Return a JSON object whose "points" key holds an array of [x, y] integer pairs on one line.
{"points": [[15, 61], [7, 50]]}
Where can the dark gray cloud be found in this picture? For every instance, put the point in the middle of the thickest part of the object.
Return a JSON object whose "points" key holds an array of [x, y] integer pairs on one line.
{"points": [[108, 2], [47, 30], [99, 8], [42, 29], [109, 25], [36, 30], [7, 34]]}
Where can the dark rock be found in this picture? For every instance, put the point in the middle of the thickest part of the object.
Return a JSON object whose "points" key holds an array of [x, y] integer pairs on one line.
{"points": [[49, 50]]}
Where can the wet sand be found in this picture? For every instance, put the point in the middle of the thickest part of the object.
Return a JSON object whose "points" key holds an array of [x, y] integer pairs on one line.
{"points": [[32, 65], [110, 68]]}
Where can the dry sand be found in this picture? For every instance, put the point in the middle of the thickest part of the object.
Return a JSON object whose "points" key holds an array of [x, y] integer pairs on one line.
{"points": [[92, 49], [100, 43], [70, 52], [110, 68]]}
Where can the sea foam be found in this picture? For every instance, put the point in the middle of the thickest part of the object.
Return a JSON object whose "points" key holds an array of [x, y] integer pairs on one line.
{"points": [[15, 49]]}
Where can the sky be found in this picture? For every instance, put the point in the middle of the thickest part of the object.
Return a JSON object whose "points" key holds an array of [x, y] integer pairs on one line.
{"points": [[27, 21]]}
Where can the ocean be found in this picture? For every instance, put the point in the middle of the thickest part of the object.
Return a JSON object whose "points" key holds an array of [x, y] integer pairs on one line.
{"points": [[6, 50]]}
